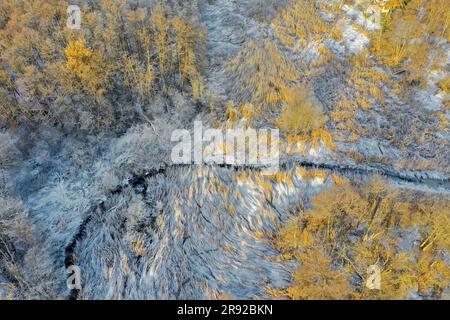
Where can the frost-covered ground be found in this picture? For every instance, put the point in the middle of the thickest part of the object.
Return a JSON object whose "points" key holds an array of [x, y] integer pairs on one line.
{"points": [[140, 227]]}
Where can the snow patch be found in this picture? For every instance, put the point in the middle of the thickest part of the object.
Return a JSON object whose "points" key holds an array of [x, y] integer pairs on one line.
{"points": [[369, 19], [354, 41], [428, 100]]}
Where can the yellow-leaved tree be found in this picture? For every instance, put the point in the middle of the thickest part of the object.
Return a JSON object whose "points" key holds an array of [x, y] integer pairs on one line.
{"points": [[302, 119], [78, 58], [353, 227], [300, 22], [261, 72], [161, 28], [407, 41], [189, 42], [87, 67]]}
